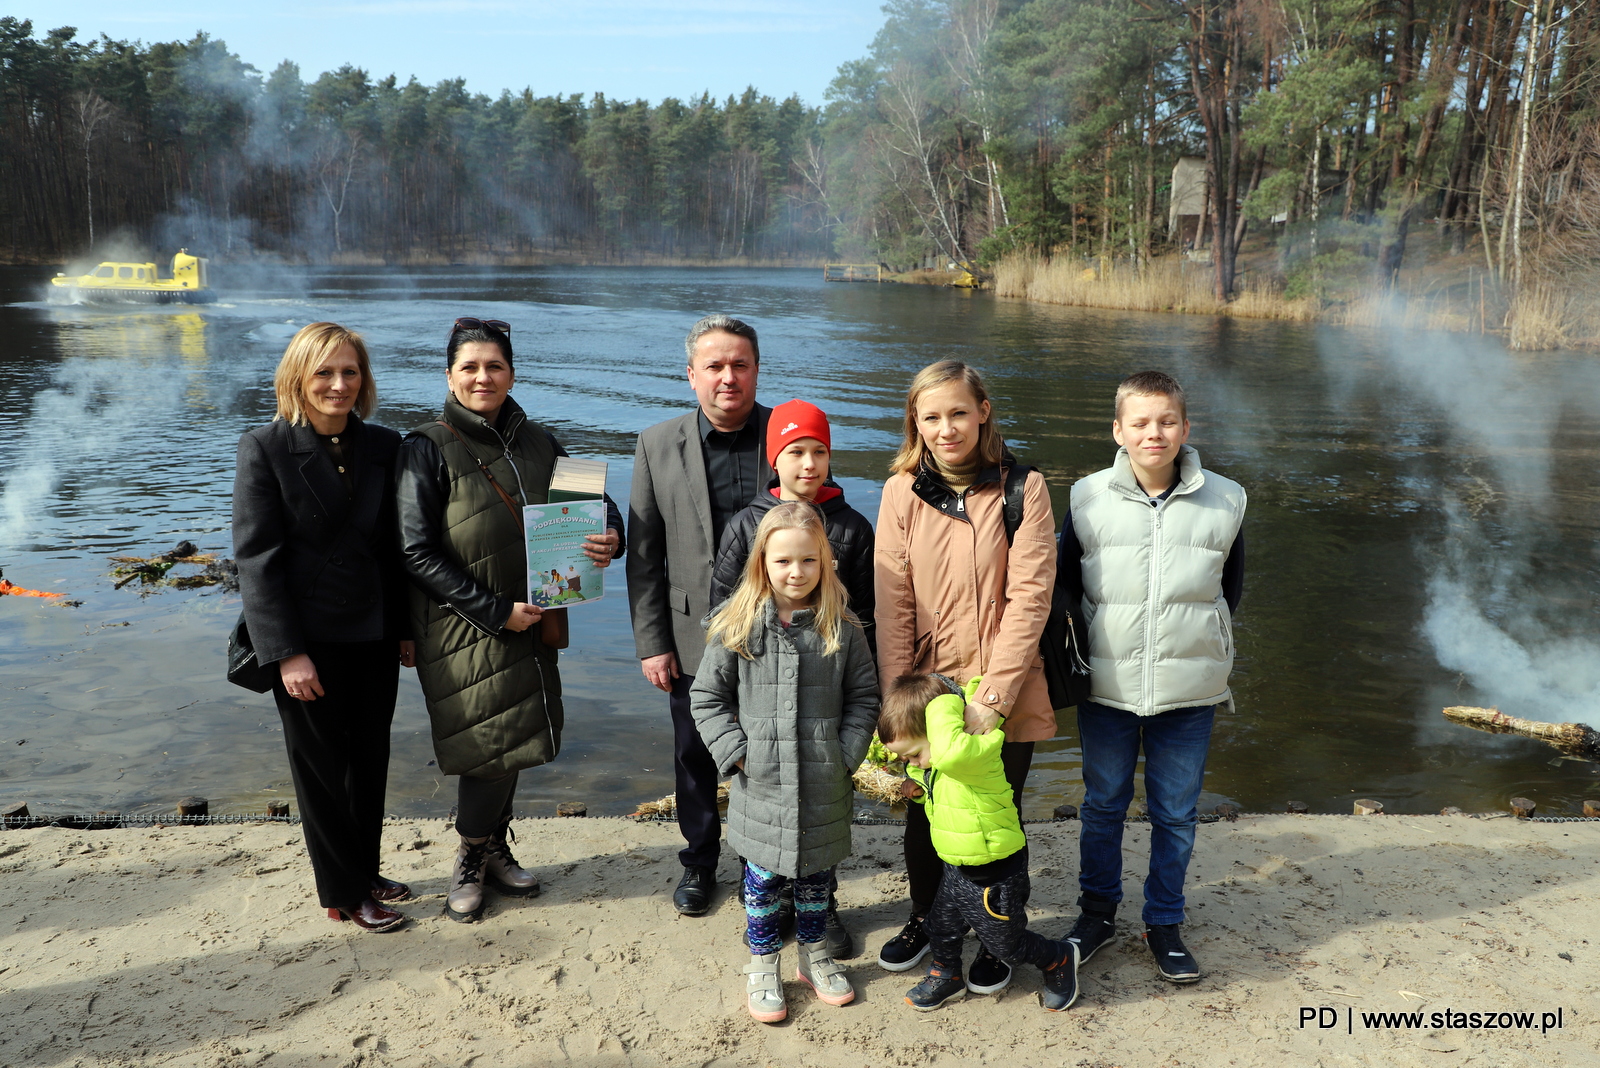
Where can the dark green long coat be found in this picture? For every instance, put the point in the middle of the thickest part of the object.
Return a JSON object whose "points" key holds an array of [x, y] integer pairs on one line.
{"points": [[494, 695]]}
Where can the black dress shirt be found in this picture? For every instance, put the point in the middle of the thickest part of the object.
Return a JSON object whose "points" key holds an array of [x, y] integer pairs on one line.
{"points": [[733, 470]]}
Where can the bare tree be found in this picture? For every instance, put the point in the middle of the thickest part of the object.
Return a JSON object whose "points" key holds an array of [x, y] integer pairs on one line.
{"points": [[92, 111], [971, 25], [335, 165], [906, 110]]}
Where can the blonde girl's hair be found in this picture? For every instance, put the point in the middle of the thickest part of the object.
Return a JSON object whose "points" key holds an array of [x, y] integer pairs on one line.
{"points": [[741, 615], [991, 447], [307, 349]]}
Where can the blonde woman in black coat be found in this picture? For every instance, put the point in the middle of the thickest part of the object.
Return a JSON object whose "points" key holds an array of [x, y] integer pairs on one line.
{"points": [[315, 537]]}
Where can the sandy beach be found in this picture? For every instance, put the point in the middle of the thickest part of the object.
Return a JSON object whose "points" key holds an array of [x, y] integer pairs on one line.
{"points": [[202, 946]]}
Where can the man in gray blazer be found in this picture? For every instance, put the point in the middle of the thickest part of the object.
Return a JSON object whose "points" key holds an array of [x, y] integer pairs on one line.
{"points": [[691, 474]]}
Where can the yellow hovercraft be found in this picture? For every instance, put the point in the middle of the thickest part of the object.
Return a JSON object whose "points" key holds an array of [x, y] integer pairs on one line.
{"points": [[137, 283]]}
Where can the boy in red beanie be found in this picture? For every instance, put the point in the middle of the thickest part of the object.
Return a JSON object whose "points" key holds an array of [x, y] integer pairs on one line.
{"points": [[799, 441], [798, 448]]}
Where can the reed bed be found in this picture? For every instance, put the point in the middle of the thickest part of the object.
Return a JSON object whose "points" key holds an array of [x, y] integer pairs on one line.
{"points": [[1546, 314]]}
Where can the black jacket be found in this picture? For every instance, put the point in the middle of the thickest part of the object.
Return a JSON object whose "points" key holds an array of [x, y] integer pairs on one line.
{"points": [[315, 563], [849, 535]]}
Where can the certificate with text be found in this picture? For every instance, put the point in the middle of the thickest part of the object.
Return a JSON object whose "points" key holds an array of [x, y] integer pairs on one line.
{"points": [[560, 574]]}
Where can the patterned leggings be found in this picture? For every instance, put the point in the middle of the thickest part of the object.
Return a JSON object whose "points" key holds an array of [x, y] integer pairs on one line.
{"points": [[761, 889]]}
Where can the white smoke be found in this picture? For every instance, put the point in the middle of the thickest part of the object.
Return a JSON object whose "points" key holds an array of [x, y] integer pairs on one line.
{"points": [[98, 405], [1545, 677], [1509, 608]]}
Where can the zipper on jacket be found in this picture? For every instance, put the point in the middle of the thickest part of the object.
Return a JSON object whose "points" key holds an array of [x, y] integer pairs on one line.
{"points": [[1152, 601], [469, 620], [505, 450]]}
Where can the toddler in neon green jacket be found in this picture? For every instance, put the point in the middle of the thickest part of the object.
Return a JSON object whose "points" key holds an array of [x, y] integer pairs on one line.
{"points": [[978, 835]]}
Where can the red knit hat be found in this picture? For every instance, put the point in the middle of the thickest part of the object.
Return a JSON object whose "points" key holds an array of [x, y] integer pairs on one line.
{"points": [[792, 421]]}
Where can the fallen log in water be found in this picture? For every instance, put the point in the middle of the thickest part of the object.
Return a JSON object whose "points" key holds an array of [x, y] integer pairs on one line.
{"points": [[1574, 738]]}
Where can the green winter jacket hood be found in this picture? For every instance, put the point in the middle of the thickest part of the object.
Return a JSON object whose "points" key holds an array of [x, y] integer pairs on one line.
{"points": [[965, 792]]}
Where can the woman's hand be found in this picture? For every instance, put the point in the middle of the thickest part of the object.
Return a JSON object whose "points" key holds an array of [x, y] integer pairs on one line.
{"points": [[909, 789], [299, 676], [980, 720], [523, 616], [408, 654], [602, 548]]}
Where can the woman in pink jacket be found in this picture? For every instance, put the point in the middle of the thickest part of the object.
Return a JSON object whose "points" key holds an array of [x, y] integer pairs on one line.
{"points": [[960, 595]]}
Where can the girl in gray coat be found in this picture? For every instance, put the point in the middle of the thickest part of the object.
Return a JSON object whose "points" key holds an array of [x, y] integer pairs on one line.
{"points": [[786, 700]]}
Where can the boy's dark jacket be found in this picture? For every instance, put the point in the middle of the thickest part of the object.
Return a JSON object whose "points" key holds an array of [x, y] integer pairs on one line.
{"points": [[849, 536]]}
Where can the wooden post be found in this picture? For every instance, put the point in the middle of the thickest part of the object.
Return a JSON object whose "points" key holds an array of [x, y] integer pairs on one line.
{"points": [[1065, 812], [572, 808], [1522, 808], [1227, 811], [17, 811], [1299, 808], [194, 806], [1591, 808], [1138, 810], [1450, 810], [1368, 807], [278, 808]]}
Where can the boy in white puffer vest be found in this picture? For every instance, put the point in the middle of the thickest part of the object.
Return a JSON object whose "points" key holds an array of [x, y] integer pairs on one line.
{"points": [[1152, 550]]}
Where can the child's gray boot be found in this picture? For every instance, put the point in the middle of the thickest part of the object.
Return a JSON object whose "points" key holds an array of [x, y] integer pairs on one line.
{"points": [[824, 974], [764, 990]]}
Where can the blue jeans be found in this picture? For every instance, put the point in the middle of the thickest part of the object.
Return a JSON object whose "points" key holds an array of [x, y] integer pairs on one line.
{"points": [[1175, 746]]}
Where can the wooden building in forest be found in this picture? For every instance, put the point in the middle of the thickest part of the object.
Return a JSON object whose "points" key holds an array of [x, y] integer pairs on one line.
{"points": [[1191, 202]]}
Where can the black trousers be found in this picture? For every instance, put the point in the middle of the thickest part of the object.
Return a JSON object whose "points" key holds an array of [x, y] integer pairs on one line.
{"points": [[998, 914], [481, 804], [339, 757], [695, 778], [924, 869]]}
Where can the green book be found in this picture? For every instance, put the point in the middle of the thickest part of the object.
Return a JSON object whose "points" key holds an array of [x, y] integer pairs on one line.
{"points": [[577, 480]]}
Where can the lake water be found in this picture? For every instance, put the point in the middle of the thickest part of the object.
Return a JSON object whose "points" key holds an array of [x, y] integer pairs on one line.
{"points": [[1421, 529]]}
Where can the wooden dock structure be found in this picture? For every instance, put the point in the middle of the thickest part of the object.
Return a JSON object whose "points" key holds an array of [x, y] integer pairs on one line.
{"points": [[852, 272]]}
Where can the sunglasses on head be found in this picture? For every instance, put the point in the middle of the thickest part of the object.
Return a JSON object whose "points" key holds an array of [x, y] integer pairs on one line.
{"points": [[466, 322]]}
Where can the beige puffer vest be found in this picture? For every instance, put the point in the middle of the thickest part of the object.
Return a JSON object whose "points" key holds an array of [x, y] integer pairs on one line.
{"points": [[1160, 636]]}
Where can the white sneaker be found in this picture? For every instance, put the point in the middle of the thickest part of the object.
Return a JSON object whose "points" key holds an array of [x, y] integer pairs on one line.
{"points": [[764, 991], [824, 974]]}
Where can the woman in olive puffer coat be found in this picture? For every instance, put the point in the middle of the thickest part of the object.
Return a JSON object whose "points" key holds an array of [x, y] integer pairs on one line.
{"points": [[492, 683]]}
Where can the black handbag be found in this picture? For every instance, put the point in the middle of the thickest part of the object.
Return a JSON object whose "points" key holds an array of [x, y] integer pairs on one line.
{"points": [[1061, 646], [1066, 672], [243, 667]]}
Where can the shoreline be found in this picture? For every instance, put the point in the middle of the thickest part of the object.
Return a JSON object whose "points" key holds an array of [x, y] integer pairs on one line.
{"points": [[477, 258], [186, 946]]}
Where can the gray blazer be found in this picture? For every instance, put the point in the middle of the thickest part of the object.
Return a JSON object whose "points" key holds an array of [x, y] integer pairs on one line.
{"points": [[801, 722], [671, 552]]}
